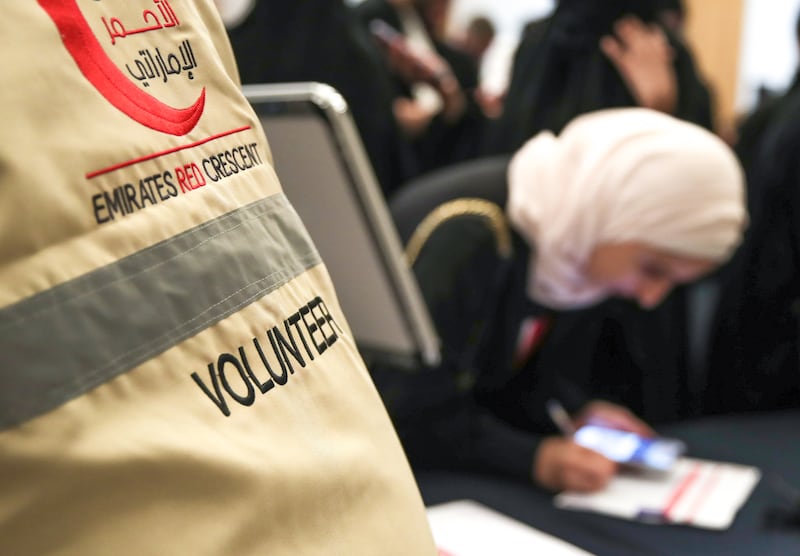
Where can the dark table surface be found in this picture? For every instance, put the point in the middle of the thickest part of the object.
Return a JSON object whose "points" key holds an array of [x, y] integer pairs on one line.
{"points": [[769, 441]]}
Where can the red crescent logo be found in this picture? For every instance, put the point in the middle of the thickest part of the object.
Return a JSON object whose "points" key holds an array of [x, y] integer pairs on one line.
{"points": [[110, 82]]}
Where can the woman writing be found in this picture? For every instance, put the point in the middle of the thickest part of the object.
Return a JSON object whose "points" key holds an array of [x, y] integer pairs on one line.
{"points": [[625, 202]]}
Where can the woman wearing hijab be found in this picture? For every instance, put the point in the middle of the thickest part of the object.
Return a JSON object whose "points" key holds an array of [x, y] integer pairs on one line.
{"points": [[590, 55], [624, 202]]}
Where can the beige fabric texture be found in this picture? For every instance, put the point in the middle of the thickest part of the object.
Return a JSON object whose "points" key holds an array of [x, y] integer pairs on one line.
{"points": [[145, 463]]}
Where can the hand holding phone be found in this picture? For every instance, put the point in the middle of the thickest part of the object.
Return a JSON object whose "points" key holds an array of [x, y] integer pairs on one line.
{"points": [[656, 453], [385, 33], [413, 65]]}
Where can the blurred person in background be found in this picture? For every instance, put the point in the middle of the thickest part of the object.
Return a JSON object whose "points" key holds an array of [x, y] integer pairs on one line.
{"points": [[321, 40], [434, 82], [592, 54], [475, 40], [477, 37], [754, 354]]}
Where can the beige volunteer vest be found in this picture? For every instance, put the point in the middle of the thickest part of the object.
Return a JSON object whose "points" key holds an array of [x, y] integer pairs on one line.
{"points": [[176, 374]]}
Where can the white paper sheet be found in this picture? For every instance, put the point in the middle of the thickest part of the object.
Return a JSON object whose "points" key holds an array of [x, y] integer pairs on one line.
{"points": [[699, 493], [467, 528]]}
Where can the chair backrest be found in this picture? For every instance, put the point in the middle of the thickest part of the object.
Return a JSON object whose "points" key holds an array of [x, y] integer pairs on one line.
{"points": [[460, 247], [483, 178], [328, 178]]}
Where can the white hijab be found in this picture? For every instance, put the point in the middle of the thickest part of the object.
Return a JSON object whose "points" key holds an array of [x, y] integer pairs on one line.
{"points": [[617, 175]]}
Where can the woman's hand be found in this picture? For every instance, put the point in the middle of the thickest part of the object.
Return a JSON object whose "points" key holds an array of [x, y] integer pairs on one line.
{"points": [[643, 57], [560, 464], [412, 117]]}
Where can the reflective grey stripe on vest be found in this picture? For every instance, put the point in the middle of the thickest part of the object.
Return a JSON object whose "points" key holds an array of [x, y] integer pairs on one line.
{"points": [[61, 343]]}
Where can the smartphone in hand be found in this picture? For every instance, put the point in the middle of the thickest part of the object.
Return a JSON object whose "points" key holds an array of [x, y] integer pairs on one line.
{"points": [[657, 453], [413, 64], [385, 33]]}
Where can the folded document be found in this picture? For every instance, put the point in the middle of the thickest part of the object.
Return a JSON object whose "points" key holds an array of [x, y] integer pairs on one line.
{"points": [[695, 492]]}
